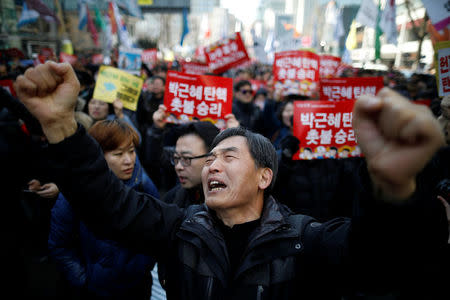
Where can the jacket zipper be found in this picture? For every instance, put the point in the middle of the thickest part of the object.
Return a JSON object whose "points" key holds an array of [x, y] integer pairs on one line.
{"points": [[209, 287], [259, 292]]}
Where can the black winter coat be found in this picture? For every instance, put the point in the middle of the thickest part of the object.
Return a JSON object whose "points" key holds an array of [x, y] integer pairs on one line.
{"points": [[282, 261]]}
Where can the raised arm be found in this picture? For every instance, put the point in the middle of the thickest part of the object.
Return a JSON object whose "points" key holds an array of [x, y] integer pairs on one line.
{"points": [[49, 92], [398, 138]]}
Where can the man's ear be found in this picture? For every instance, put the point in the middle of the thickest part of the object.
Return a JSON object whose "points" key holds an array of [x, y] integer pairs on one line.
{"points": [[265, 179]]}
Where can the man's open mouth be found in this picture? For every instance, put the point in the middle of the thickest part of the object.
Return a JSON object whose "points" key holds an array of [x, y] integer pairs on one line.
{"points": [[215, 185]]}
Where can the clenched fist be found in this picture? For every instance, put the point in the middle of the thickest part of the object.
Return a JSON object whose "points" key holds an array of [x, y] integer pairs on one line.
{"points": [[398, 138], [50, 91]]}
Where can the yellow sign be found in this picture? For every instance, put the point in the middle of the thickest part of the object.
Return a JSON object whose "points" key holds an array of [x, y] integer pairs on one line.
{"points": [[145, 2], [113, 84]]}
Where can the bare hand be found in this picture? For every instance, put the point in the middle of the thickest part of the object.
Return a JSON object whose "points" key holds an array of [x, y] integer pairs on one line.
{"points": [[398, 138], [48, 190], [231, 121], [447, 212], [50, 91], [160, 116], [34, 185], [118, 108]]}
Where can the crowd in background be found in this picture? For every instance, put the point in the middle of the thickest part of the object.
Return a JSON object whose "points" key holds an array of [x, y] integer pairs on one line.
{"points": [[320, 188]]}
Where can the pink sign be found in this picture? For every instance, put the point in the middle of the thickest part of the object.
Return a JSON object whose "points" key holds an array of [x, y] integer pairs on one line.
{"points": [[329, 65], [349, 88]]}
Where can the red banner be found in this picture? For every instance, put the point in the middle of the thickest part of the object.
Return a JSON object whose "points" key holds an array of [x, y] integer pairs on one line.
{"points": [[349, 88], [97, 59], [226, 54], [325, 130], [195, 68], [203, 97], [257, 84], [296, 72], [149, 57], [329, 65], [8, 85], [64, 57]]}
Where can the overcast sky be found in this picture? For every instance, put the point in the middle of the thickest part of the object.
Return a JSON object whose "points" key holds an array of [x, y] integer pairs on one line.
{"points": [[244, 10]]}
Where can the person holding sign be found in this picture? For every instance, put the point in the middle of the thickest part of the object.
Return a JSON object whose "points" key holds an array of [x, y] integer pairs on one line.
{"points": [[243, 244]]}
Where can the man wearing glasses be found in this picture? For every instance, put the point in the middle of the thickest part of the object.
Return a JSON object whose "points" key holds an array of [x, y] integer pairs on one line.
{"points": [[188, 159], [244, 109]]}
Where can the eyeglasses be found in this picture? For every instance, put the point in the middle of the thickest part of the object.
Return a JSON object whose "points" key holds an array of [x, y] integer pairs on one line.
{"points": [[185, 160], [246, 91]]}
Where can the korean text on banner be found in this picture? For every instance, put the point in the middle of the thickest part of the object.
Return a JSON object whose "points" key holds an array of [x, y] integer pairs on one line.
{"points": [[329, 65], [149, 57], [115, 84], [349, 88], [325, 130], [202, 97], [226, 54], [296, 72], [196, 68], [71, 59], [443, 62]]}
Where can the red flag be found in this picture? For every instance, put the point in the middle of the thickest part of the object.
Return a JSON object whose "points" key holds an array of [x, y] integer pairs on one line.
{"points": [[91, 27], [112, 18]]}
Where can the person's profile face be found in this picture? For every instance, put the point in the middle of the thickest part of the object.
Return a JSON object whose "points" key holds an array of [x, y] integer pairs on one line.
{"points": [[121, 160], [287, 114], [230, 176], [187, 146]]}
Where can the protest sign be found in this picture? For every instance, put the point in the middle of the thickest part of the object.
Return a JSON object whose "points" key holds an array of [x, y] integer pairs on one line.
{"points": [[130, 60], [226, 54], [97, 59], [349, 88], [296, 72], [8, 85], [71, 59], [257, 84], [195, 68], [113, 84], [325, 130], [443, 62], [329, 65], [202, 97], [149, 57]]}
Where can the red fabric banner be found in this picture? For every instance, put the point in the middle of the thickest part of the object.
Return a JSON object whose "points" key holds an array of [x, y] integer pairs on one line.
{"points": [[325, 130], [296, 72], [189, 97], [71, 59], [196, 68], [226, 54], [329, 65], [149, 56], [349, 88]]}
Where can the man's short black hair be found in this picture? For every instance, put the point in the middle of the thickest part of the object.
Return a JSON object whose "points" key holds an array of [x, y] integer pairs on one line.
{"points": [[154, 77], [240, 84], [206, 130], [261, 149]]}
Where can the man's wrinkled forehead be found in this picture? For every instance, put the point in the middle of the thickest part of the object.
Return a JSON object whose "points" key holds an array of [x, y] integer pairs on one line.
{"points": [[235, 143]]}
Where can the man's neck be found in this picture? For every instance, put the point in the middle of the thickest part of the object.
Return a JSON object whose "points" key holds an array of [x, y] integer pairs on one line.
{"points": [[240, 215]]}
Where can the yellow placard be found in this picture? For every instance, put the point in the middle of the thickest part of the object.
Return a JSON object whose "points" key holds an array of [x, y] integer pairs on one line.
{"points": [[145, 2], [113, 84]]}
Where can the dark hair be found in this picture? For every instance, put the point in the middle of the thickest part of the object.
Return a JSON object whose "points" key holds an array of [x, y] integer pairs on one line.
{"points": [[240, 84], [154, 77], [279, 112], [206, 130], [110, 134], [261, 149], [443, 189], [86, 106]]}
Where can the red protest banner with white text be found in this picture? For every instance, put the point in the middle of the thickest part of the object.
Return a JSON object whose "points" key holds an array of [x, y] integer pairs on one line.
{"points": [[149, 56], [329, 65], [349, 88], [257, 84], [226, 54], [196, 68], [71, 59], [203, 97], [325, 130], [97, 59], [296, 72]]}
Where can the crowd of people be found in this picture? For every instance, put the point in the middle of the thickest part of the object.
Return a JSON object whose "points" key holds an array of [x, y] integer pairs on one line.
{"points": [[96, 195]]}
